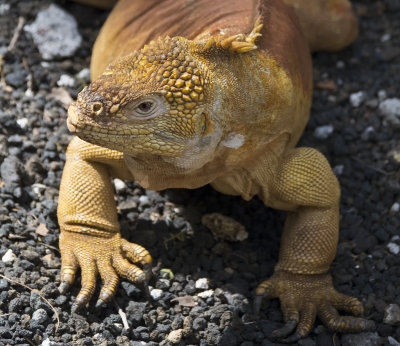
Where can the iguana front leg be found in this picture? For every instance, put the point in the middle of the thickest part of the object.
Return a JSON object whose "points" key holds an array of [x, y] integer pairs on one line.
{"points": [[90, 237], [305, 185]]}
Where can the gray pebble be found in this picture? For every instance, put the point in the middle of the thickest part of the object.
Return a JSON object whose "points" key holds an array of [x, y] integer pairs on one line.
{"points": [[199, 323], [323, 132], [17, 78], [36, 302], [40, 316], [135, 311], [357, 98], [392, 314], [3, 284], [365, 339], [5, 333], [163, 328], [55, 32], [390, 109], [307, 342], [10, 171]]}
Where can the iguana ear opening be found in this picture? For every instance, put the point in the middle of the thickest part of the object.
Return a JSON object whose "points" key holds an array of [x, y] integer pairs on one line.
{"points": [[240, 43]]}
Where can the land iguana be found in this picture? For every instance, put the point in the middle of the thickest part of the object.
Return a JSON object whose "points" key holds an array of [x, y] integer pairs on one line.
{"points": [[188, 93]]}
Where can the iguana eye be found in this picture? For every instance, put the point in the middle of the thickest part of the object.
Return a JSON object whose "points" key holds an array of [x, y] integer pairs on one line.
{"points": [[148, 107], [145, 107]]}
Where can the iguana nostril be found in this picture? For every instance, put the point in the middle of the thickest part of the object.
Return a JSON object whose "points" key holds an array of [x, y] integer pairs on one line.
{"points": [[97, 108]]}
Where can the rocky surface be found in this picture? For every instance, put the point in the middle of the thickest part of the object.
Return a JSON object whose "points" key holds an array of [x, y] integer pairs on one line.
{"points": [[202, 289]]}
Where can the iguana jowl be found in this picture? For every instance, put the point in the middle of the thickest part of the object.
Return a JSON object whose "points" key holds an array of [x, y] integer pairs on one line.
{"points": [[221, 98]]}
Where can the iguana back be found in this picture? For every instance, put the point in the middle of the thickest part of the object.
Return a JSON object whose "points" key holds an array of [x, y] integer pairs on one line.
{"points": [[326, 24]]}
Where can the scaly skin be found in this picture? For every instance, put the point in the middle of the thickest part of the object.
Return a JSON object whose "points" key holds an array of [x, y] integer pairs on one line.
{"points": [[225, 105]]}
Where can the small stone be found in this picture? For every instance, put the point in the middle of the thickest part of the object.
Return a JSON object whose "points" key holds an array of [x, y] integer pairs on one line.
{"points": [[84, 74], [390, 109], [338, 170], [224, 227], [66, 81], [185, 301], [17, 78], [365, 339], [29, 93], [3, 284], [127, 205], [395, 207], [366, 134], [392, 315], [385, 37], [9, 256], [5, 333], [40, 315], [46, 342], [372, 103], [60, 300], [51, 261], [62, 95], [175, 336], [42, 230], [36, 302], [10, 171], [393, 248], [382, 95], [199, 323], [135, 311], [38, 189], [120, 186], [23, 123], [393, 341], [340, 64], [323, 132], [4, 8], [163, 284], [206, 294], [156, 293], [356, 99], [202, 283], [55, 33], [144, 200]]}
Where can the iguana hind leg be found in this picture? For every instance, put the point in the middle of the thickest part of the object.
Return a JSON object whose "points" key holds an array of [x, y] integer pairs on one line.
{"points": [[87, 215], [305, 185]]}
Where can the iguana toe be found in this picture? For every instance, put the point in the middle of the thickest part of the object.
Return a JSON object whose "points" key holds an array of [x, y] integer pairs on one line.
{"points": [[69, 267], [110, 281], [138, 254], [342, 324], [88, 282]]}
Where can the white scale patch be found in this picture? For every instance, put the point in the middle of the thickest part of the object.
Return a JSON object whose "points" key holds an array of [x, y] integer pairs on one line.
{"points": [[233, 140]]}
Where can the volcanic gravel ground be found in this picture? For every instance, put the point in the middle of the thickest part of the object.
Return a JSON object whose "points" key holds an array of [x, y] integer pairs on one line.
{"points": [[347, 125]]}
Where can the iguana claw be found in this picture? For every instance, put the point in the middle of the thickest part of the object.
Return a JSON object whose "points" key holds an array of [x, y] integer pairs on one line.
{"points": [[100, 304], [285, 331]]}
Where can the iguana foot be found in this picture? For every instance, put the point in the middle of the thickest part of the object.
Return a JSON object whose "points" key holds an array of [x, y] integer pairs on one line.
{"points": [[105, 256], [303, 297]]}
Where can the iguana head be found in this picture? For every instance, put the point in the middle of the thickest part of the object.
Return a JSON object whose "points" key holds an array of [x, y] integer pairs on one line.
{"points": [[154, 101]]}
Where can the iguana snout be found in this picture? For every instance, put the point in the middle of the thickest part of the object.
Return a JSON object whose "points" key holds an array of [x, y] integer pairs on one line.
{"points": [[153, 101]]}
